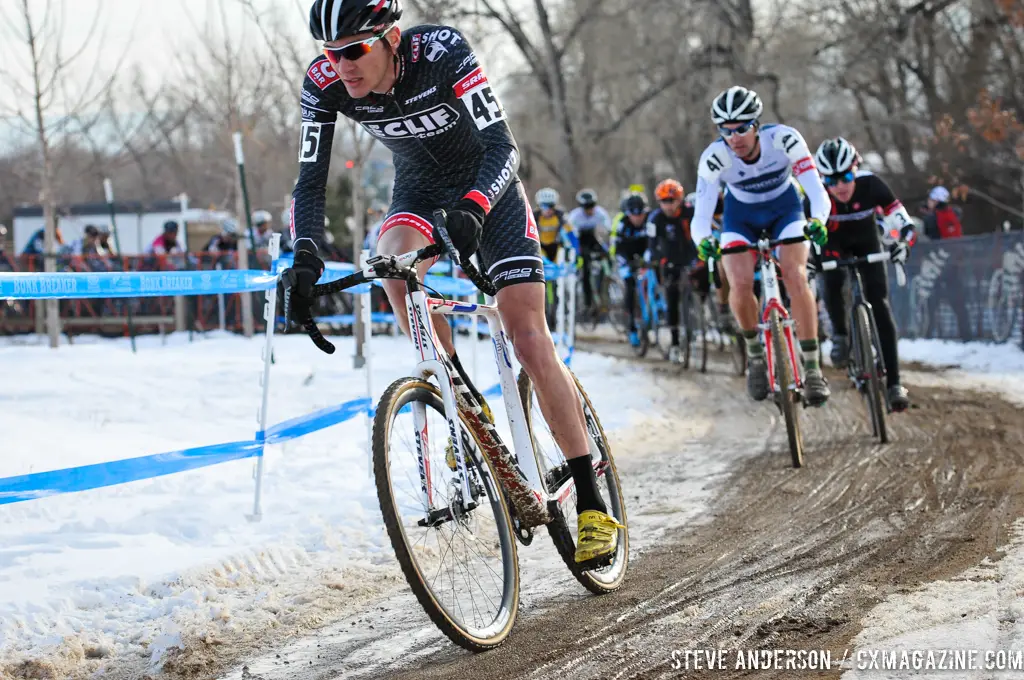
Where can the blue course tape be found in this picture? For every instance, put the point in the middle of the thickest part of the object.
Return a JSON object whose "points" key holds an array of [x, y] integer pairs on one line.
{"points": [[33, 286], [318, 420], [54, 482]]}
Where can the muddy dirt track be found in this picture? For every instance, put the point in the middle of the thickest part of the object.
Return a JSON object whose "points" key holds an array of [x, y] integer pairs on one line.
{"points": [[785, 559]]}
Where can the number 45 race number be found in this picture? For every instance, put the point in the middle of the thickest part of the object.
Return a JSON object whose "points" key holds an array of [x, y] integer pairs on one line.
{"points": [[475, 93]]}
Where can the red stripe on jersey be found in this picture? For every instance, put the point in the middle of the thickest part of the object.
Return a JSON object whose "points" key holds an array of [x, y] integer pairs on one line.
{"points": [[803, 165], [481, 200], [892, 207]]}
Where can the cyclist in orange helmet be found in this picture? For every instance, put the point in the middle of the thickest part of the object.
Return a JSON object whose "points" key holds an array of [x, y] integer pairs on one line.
{"points": [[671, 249]]}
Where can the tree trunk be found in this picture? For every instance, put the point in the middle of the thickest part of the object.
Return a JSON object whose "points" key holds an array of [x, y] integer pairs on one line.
{"points": [[50, 238]]}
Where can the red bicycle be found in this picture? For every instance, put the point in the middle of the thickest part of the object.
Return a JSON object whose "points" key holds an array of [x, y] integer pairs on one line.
{"points": [[785, 376]]}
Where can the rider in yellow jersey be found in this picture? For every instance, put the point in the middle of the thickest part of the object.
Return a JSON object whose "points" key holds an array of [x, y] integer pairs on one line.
{"points": [[552, 227], [550, 222]]}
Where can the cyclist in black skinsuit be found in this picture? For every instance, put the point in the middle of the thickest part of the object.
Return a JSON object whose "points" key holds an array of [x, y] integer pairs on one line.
{"points": [[424, 95], [672, 250], [853, 232], [629, 242]]}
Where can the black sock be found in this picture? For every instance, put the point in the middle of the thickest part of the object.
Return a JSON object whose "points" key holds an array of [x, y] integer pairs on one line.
{"points": [[587, 495]]}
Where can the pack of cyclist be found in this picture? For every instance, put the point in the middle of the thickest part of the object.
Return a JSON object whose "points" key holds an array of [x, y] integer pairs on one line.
{"points": [[422, 92]]}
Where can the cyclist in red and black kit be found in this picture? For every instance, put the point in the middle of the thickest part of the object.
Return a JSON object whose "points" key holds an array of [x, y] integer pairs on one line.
{"points": [[424, 95], [854, 232], [672, 249]]}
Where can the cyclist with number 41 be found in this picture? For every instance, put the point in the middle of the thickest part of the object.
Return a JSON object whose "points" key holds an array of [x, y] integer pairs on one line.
{"points": [[758, 163], [423, 94], [853, 232]]}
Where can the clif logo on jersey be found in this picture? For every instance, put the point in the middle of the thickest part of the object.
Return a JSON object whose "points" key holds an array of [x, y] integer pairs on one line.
{"points": [[416, 47], [433, 121], [323, 74]]}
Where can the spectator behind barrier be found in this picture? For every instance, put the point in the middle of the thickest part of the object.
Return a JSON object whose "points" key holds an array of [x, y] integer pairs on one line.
{"points": [[941, 220], [36, 244], [167, 242]]}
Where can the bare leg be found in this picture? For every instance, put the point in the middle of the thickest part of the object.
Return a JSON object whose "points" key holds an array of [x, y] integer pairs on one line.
{"points": [[739, 268], [397, 241], [805, 310], [522, 313]]}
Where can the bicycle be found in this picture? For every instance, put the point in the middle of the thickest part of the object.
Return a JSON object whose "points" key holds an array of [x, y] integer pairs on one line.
{"points": [[785, 377], [650, 311], [866, 369], [474, 495], [607, 294]]}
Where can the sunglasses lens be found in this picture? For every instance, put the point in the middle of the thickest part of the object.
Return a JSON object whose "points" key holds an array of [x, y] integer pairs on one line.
{"points": [[348, 52], [833, 180]]}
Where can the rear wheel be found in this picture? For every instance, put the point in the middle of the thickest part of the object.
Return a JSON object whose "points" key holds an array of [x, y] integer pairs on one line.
{"points": [[697, 332], [555, 471], [642, 331], [662, 331], [458, 554], [787, 389], [869, 374]]}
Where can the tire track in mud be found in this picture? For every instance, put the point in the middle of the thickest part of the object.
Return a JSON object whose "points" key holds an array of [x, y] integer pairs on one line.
{"points": [[789, 558]]}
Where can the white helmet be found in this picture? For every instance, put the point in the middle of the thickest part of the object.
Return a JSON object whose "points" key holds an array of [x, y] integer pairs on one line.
{"points": [[546, 196], [939, 194], [736, 105], [586, 197], [229, 226], [835, 156], [261, 217]]}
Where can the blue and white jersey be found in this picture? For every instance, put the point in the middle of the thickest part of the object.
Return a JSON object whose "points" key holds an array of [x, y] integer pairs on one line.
{"points": [[581, 221], [784, 156]]}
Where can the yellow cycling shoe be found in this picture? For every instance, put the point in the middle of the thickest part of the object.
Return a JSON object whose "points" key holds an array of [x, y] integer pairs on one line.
{"points": [[598, 539]]}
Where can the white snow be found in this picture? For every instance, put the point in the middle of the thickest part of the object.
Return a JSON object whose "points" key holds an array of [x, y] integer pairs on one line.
{"points": [[137, 569], [981, 609]]}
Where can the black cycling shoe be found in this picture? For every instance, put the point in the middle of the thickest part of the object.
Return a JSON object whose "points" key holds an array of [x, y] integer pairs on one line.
{"points": [[757, 377], [899, 399], [840, 351], [816, 391]]}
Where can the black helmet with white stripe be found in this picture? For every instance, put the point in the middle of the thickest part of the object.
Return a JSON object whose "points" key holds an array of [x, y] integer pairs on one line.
{"points": [[835, 156], [334, 19], [736, 105]]}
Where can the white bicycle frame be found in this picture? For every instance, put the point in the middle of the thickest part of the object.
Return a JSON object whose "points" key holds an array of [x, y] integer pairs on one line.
{"points": [[773, 300], [520, 478]]}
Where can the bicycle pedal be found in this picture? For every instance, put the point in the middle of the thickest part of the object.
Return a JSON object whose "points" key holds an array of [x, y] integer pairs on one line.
{"points": [[597, 562]]}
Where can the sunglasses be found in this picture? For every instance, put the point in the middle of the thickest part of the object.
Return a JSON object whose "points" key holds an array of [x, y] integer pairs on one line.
{"points": [[741, 130], [669, 200], [832, 180], [635, 211], [352, 51], [547, 206]]}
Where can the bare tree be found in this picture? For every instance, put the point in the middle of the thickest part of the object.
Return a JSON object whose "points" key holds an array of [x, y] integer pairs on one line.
{"points": [[42, 105]]}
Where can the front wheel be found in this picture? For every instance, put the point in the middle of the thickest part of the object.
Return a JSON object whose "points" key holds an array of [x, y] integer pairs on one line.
{"points": [[457, 551], [554, 471], [784, 372], [870, 375]]}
